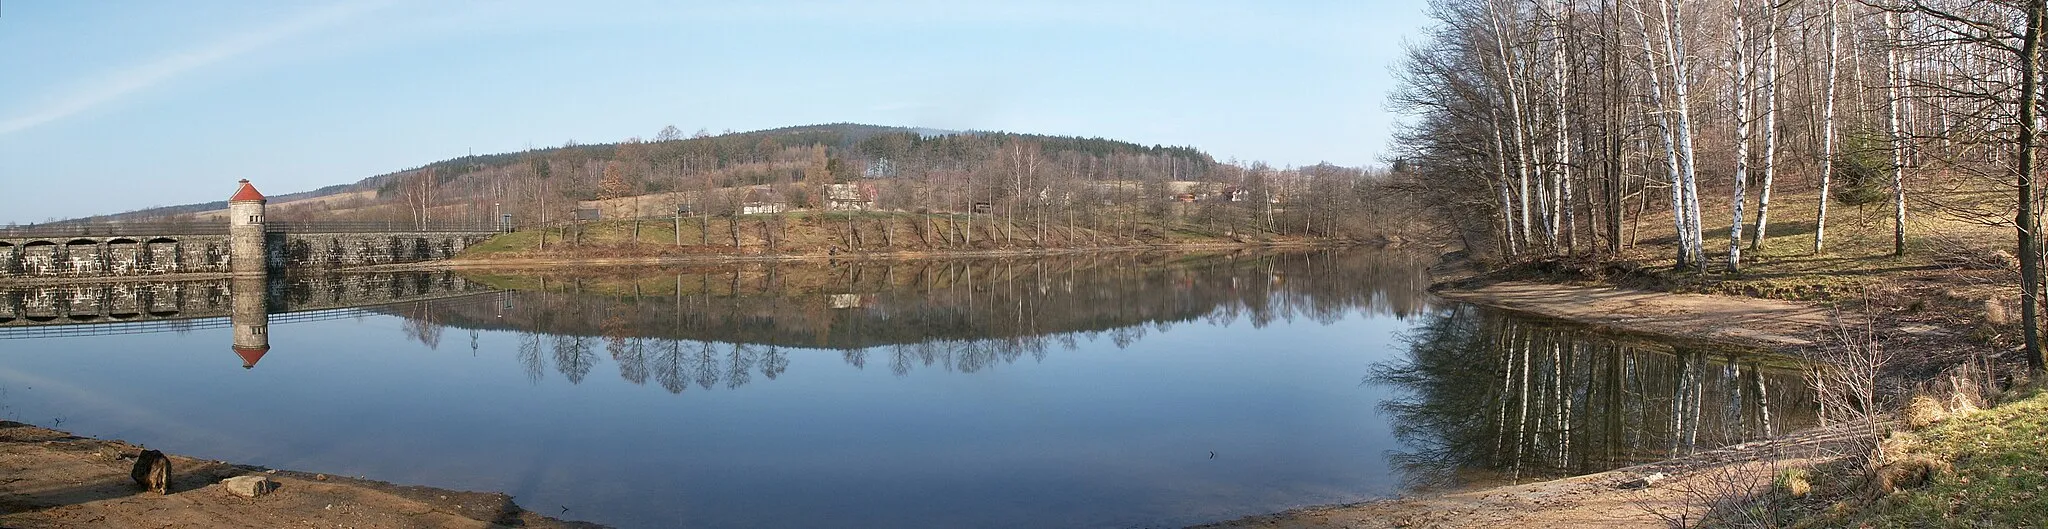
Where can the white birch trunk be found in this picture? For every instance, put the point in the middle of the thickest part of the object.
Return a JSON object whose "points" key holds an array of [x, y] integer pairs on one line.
{"points": [[1559, 69], [1897, 78], [1827, 120], [1770, 158], [1674, 44], [1742, 99], [1507, 202], [1670, 142], [1514, 99], [1898, 132]]}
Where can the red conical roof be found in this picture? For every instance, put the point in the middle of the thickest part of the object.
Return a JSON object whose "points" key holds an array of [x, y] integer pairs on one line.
{"points": [[250, 355], [247, 193]]}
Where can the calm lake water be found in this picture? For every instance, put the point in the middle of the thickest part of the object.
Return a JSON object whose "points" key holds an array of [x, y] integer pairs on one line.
{"points": [[1105, 391]]}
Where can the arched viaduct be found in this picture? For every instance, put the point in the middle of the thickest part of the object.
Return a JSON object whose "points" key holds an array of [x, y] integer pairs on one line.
{"points": [[26, 255]]}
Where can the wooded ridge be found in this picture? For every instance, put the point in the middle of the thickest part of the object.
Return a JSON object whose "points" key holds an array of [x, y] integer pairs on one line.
{"points": [[1027, 178]]}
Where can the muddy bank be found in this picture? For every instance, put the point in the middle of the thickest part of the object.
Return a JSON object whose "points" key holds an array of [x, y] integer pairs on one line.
{"points": [[51, 479]]}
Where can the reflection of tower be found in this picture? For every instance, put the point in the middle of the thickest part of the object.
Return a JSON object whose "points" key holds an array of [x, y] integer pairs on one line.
{"points": [[250, 315], [246, 251]]}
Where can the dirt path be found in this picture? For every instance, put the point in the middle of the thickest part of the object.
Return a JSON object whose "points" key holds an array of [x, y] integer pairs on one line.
{"points": [[1605, 500], [1764, 323], [50, 479]]}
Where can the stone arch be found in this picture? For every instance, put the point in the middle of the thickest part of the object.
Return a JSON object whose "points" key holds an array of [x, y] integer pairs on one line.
{"points": [[38, 257], [165, 254], [125, 256], [81, 257]]}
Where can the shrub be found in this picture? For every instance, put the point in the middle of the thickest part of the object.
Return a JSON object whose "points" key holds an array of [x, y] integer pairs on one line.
{"points": [[1793, 483], [1863, 169]]}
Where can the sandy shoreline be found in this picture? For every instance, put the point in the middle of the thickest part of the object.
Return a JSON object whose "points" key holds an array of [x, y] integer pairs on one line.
{"points": [[52, 479], [1776, 325]]}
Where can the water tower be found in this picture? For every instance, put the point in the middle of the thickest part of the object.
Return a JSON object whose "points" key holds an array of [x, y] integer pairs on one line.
{"points": [[247, 254]]}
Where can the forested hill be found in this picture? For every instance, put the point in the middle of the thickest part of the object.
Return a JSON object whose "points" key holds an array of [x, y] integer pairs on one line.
{"points": [[786, 162]]}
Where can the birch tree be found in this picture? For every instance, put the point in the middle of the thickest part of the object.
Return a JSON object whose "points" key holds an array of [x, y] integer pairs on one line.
{"points": [[1681, 110], [1896, 105], [1742, 82], [1827, 120], [1561, 175], [1770, 157]]}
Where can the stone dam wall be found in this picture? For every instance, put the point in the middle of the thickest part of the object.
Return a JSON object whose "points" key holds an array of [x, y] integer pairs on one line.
{"points": [[129, 256]]}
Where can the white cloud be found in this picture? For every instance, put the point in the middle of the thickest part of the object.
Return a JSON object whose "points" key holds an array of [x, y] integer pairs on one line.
{"points": [[121, 83]]}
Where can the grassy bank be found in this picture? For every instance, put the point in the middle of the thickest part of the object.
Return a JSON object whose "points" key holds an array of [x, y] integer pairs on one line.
{"points": [[813, 233], [1963, 468]]}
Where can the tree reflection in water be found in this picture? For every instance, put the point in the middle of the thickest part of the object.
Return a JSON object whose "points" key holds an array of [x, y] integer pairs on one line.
{"points": [[1493, 397], [723, 325]]}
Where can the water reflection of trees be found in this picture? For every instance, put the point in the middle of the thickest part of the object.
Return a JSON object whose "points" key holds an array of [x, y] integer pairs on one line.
{"points": [[728, 325], [1491, 397]]}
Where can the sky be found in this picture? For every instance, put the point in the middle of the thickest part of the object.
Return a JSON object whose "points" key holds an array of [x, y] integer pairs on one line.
{"points": [[116, 106]]}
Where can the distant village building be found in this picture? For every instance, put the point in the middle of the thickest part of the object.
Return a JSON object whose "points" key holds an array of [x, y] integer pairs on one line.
{"points": [[763, 200], [850, 197], [588, 214], [1233, 194], [758, 208]]}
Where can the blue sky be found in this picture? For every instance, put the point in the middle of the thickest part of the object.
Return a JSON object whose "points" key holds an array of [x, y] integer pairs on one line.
{"points": [[111, 106]]}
